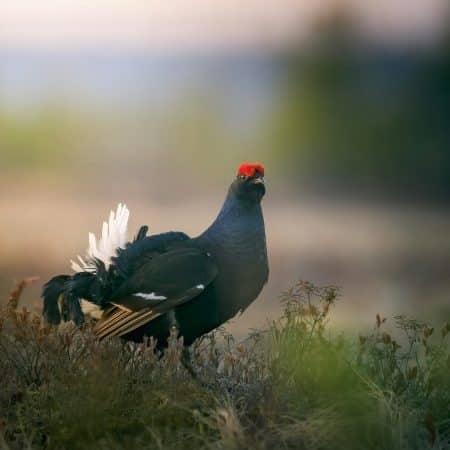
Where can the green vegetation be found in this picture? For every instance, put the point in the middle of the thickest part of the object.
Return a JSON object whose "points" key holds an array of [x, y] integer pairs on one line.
{"points": [[367, 116], [41, 139], [338, 114], [292, 385]]}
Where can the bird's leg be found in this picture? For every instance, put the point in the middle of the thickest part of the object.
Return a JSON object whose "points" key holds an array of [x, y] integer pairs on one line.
{"points": [[185, 357]]}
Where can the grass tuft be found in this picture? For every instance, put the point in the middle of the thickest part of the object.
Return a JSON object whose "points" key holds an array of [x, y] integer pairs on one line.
{"points": [[292, 385]]}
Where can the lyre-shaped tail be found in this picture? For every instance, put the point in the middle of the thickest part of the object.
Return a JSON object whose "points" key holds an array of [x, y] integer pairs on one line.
{"points": [[114, 236]]}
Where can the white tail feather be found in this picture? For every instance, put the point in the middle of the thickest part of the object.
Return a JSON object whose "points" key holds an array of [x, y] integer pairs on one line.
{"points": [[114, 235]]}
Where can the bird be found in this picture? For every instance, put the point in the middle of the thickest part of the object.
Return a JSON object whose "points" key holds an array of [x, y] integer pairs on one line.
{"points": [[148, 285]]}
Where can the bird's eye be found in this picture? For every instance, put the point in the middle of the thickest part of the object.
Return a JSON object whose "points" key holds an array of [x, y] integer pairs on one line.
{"points": [[242, 177]]}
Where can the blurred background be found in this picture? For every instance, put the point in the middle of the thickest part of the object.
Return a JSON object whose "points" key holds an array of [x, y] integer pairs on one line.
{"points": [[346, 103]]}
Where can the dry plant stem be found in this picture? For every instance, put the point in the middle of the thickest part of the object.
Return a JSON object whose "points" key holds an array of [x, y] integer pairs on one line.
{"points": [[187, 363], [291, 385], [14, 296]]}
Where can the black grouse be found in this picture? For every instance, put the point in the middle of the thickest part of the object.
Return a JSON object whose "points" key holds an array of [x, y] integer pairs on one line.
{"points": [[147, 286]]}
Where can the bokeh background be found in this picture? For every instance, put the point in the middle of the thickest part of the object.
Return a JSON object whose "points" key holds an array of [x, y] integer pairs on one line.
{"points": [[347, 104]]}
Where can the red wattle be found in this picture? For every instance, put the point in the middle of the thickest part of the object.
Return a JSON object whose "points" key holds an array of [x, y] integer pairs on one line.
{"points": [[249, 169]]}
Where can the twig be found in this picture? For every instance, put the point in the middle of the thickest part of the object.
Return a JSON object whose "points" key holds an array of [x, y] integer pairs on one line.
{"points": [[15, 294]]}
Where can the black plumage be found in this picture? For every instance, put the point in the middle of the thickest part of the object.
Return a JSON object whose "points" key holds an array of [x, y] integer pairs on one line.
{"points": [[157, 282], [144, 247]]}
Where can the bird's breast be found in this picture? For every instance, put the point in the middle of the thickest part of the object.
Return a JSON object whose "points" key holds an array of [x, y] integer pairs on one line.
{"points": [[243, 271]]}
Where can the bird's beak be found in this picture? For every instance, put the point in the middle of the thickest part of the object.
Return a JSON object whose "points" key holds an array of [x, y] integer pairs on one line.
{"points": [[258, 180]]}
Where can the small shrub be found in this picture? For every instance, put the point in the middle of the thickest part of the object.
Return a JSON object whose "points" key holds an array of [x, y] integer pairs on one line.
{"points": [[292, 385]]}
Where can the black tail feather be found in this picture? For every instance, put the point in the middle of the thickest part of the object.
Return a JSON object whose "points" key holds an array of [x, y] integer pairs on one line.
{"points": [[142, 233], [71, 308], [60, 302], [52, 292], [62, 294]]}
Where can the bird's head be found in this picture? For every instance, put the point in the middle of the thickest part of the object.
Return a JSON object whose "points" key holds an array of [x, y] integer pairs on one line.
{"points": [[249, 182]]}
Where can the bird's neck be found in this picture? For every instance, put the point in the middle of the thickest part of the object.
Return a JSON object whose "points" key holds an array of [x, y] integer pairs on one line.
{"points": [[237, 220]]}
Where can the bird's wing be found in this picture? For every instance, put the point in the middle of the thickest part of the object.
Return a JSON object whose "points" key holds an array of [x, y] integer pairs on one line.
{"points": [[128, 260], [161, 284]]}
